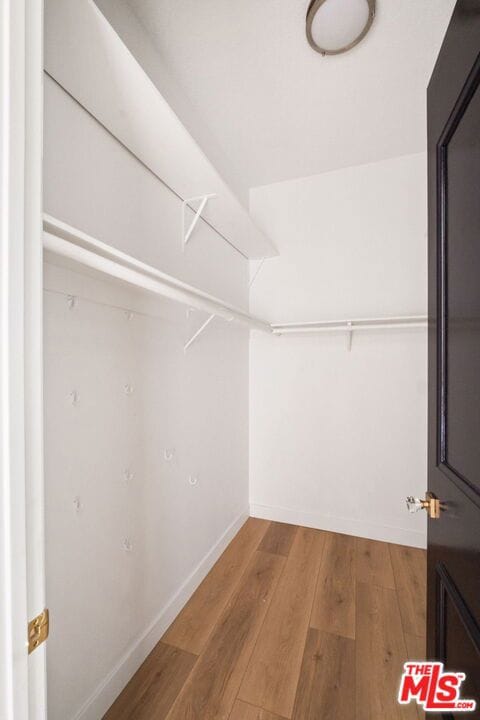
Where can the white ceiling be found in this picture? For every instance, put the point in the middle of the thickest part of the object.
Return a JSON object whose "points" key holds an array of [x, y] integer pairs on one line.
{"points": [[277, 109]]}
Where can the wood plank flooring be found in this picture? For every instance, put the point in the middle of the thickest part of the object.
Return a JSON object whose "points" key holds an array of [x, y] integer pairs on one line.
{"points": [[290, 624], [326, 688], [272, 675], [334, 604], [213, 685], [153, 689], [192, 627], [380, 651]]}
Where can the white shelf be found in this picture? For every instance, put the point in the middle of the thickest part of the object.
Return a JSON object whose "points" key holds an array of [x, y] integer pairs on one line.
{"points": [[84, 54]]}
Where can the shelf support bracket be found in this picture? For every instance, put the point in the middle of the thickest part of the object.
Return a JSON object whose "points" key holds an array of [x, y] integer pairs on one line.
{"points": [[187, 232], [255, 274], [350, 335], [197, 334]]}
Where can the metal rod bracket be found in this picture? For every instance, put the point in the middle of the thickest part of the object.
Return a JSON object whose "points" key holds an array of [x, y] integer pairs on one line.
{"points": [[349, 335], [197, 334], [255, 274], [187, 232]]}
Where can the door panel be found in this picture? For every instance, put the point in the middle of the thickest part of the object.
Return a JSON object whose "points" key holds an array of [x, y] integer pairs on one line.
{"points": [[458, 642], [453, 617], [459, 174]]}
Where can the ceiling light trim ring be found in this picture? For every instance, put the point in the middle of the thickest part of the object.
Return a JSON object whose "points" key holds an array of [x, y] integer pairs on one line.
{"points": [[311, 12]]}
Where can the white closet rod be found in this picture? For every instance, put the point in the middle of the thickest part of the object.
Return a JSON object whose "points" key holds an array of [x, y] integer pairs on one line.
{"points": [[68, 242], [385, 323]]}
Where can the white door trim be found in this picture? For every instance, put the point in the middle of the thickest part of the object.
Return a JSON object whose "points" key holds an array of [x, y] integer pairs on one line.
{"points": [[33, 299], [21, 464]]}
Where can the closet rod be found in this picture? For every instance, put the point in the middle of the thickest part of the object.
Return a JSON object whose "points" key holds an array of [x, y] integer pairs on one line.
{"points": [[68, 242], [64, 240], [385, 323]]}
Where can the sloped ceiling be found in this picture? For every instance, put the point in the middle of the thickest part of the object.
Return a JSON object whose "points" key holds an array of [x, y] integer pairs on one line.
{"points": [[276, 109]]}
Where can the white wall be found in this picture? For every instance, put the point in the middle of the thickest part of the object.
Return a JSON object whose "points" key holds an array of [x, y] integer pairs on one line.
{"points": [[109, 605], [338, 439]]}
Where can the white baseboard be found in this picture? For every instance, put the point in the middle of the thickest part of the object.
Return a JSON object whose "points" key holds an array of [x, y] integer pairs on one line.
{"points": [[346, 526], [99, 702]]}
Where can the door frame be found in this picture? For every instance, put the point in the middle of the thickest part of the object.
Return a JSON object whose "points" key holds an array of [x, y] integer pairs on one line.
{"points": [[22, 545]]}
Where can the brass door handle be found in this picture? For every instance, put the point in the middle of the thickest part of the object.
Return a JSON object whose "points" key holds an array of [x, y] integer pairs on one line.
{"points": [[431, 504]]}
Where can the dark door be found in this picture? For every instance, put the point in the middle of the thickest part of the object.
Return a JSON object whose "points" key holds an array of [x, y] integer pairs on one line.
{"points": [[454, 351]]}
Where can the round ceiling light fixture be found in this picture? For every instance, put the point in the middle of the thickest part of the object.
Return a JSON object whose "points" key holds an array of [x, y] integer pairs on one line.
{"points": [[335, 26]]}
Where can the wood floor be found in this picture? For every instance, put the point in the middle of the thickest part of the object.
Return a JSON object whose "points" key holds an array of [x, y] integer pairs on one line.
{"points": [[291, 623]]}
